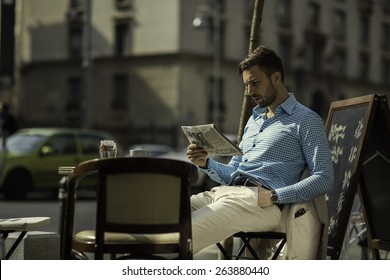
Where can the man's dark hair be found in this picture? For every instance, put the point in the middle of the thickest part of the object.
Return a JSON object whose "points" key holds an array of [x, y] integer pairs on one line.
{"points": [[268, 60]]}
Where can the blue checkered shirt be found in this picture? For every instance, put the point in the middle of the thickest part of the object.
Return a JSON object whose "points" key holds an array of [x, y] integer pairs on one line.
{"points": [[278, 149]]}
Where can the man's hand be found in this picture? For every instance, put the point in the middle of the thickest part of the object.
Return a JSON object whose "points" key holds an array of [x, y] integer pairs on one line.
{"points": [[197, 155], [264, 198]]}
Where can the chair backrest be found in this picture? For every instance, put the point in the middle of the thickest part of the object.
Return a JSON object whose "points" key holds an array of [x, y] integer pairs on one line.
{"points": [[140, 200], [140, 195]]}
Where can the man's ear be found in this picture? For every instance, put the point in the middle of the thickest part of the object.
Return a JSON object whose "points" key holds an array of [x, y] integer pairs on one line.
{"points": [[276, 78]]}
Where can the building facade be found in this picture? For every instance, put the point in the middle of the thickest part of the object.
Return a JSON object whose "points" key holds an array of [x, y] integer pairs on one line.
{"points": [[139, 68]]}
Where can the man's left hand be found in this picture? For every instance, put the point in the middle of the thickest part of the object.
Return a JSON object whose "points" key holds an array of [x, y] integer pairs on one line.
{"points": [[264, 198]]}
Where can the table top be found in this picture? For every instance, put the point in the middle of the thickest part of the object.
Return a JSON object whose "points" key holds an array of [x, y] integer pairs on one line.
{"points": [[23, 224]]}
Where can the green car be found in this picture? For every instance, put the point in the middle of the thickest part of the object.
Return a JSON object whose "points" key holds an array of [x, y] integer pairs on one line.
{"points": [[32, 156]]}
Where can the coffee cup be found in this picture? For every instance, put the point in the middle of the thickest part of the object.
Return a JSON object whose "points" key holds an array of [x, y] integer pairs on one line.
{"points": [[107, 149]]}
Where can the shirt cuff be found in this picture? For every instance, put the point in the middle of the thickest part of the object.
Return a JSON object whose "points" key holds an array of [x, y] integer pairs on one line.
{"points": [[206, 165]]}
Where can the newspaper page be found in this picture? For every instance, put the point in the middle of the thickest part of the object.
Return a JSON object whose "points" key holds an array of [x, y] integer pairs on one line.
{"points": [[212, 139]]}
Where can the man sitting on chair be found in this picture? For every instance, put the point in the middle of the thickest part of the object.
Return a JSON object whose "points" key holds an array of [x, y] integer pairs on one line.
{"points": [[281, 138]]}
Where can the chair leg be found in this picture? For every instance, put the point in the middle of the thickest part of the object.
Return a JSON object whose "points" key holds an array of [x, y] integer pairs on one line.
{"points": [[277, 252], [240, 252], [224, 252], [238, 256], [247, 245]]}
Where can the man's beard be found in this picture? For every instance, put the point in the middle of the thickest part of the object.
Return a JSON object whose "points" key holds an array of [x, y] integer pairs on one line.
{"points": [[268, 98]]}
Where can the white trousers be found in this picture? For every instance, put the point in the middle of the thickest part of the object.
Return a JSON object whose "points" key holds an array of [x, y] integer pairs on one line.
{"points": [[221, 212]]}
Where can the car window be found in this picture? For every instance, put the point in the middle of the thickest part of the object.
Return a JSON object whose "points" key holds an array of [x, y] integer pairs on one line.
{"points": [[90, 143], [23, 143], [62, 144]]}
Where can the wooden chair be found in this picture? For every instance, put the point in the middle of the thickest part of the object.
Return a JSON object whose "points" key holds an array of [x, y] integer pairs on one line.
{"points": [[143, 208]]}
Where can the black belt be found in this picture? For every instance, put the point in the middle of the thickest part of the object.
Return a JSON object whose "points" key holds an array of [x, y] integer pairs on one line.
{"points": [[244, 181]]}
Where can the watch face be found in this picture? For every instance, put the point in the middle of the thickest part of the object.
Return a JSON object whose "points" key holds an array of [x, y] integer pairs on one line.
{"points": [[274, 197]]}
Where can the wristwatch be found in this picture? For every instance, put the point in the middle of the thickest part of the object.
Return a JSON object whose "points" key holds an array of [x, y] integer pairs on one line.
{"points": [[274, 197]]}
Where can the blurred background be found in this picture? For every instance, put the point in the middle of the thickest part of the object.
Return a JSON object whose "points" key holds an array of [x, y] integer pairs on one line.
{"points": [[140, 69]]}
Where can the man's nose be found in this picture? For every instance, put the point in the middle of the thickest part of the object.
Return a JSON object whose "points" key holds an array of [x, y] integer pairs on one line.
{"points": [[249, 90]]}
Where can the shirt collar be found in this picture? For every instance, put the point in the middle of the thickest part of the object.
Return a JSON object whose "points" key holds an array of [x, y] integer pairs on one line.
{"points": [[287, 106]]}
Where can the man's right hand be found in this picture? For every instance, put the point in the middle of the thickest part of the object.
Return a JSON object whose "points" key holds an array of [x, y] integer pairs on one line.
{"points": [[197, 155]]}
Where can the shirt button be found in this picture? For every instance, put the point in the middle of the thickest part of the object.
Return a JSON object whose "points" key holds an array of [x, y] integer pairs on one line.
{"points": [[261, 130], [246, 160], [254, 145]]}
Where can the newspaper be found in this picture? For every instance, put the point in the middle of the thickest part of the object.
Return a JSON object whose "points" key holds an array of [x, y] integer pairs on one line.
{"points": [[212, 139]]}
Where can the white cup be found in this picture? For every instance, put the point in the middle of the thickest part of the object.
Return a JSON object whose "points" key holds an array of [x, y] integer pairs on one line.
{"points": [[138, 153]]}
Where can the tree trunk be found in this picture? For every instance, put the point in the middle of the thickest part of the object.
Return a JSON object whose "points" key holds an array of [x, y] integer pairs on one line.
{"points": [[248, 103]]}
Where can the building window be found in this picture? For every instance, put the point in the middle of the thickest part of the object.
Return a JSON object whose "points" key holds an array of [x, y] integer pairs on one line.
{"points": [[313, 16], [76, 3], [246, 40], [364, 66], [319, 103], [364, 30], [222, 3], [339, 24], [385, 4], [340, 63], [315, 56], [75, 41], [73, 101], [120, 92], [284, 13], [121, 36], [75, 12], [217, 35], [386, 70], [124, 5], [249, 5], [222, 40], [221, 100], [285, 46], [386, 37]]}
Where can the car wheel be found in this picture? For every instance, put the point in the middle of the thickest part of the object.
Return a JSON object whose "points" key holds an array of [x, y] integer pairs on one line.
{"points": [[17, 184]]}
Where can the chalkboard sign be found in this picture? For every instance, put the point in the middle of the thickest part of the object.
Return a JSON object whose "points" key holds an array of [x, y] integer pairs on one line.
{"points": [[347, 128]]}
